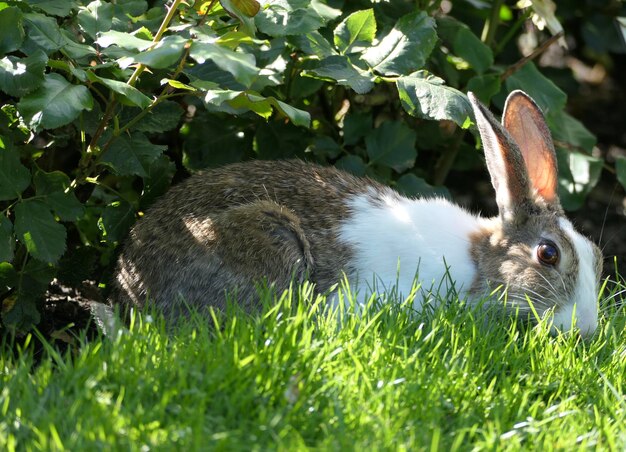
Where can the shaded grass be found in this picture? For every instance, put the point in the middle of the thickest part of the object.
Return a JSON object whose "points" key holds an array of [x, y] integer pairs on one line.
{"points": [[295, 377]]}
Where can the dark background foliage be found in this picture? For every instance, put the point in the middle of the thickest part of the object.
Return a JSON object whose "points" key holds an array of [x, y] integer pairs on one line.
{"points": [[105, 105]]}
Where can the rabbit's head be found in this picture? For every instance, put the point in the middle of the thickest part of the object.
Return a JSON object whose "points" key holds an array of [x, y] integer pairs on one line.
{"points": [[531, 250]]}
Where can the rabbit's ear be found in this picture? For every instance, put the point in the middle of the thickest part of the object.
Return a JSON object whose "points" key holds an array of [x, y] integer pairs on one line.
{"points": [[504, 162], [525, 123]]}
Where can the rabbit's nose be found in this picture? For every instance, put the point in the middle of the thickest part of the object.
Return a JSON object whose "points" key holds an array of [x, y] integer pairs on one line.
{"points": [[580, 316]]}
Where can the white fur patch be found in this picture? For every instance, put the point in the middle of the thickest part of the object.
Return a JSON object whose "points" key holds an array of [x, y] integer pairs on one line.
{"points": [[397, 238], [583, 306]]}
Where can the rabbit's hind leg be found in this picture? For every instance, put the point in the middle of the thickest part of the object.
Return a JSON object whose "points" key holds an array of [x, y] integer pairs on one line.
{"points": [[262, 241], [212, 256]]}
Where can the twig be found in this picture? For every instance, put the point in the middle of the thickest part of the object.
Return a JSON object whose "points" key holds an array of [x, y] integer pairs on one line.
{"points": [[168, 18], [538, 51], [86, 163], [447, 158]]}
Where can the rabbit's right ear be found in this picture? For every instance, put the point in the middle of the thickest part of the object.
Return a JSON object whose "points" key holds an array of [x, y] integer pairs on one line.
{"points": [[524, 121], [504, 162]]}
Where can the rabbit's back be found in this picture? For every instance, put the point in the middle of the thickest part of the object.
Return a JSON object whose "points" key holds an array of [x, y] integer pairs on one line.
{"points": [[225, 229]]}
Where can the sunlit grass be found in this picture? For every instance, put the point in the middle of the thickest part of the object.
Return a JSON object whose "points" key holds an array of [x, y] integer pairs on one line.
{"points": [[297, 377]]}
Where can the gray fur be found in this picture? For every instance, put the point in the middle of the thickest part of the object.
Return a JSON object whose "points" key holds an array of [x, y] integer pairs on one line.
{"points": [[504, 250], [223, 230]]}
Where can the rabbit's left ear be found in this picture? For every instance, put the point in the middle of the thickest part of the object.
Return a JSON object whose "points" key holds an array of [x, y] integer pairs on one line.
{"points": [[524, 121], [505, 164]]}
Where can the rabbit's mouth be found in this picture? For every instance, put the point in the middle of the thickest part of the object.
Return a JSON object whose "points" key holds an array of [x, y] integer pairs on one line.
{"points": [[574, 317], [562, 316]]}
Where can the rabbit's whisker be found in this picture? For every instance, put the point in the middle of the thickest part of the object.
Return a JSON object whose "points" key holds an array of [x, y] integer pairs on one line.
{"points": [[553, 289]]}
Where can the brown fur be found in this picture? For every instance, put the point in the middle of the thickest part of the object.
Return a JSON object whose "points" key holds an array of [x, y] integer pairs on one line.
{"points": [[225, 229]]}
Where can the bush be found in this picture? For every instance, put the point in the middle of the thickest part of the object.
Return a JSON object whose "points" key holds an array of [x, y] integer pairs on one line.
{"points": [[108, 103]]}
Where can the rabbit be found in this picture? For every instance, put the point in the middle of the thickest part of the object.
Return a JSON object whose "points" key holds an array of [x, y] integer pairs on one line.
{"points": [[221, 231]]}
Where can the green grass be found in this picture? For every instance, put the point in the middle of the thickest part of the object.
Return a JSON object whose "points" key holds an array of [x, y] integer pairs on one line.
{"points": [[295, 378]]}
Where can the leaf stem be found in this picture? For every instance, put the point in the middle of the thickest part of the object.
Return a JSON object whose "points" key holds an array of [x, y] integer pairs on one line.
{"points": [[166, 21], [87, 162], [95, 181], [511, 32], [160, 98], [491, 26]]}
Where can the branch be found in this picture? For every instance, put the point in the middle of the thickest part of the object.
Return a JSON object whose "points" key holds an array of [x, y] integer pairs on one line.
{"points": [[538, 51]]}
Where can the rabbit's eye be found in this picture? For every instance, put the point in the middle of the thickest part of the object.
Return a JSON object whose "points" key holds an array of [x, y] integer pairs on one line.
{"points": [[548, 253]]}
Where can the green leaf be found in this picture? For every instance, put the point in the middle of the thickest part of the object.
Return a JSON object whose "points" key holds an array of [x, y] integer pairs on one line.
{"points": [[262, 106], [12, 28], [547, 95], [165, 116], [241, 65], [249, 8], [117, 218], [212, 142], [302, 87], [485, 86], [392, 145], [166, 53], [130, 93], [326, 12], [43, 33], [80, 52], [123, 40], [133, 8], [20, 76], [425, 96], [132, 154], [296, 116], [96, 17], [180, 85], [7, 241], [356, 126], [578, 174], [238, 102], [14, 177], [313, 43], [620, 169], [325, 147], [36, 228], [339, 69], [406, 47], [30, 285], [352, 164], [244, 11], [279, 140], [60, 8], [411, 185], [8, 276], [53, 189], [233, 39], [288, 17], [208, 76], [355, 31], [567, 129], [159, 178], [465, 44], [56, 103], [621, 22], [24, 313]]}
